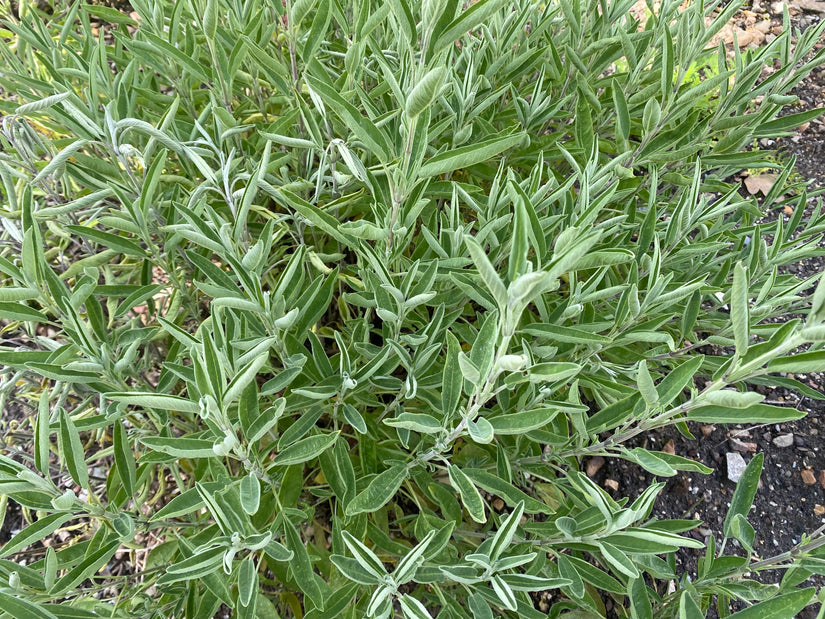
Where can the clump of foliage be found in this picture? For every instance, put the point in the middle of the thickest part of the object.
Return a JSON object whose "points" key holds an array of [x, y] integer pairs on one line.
{"points": [[296, 293]]}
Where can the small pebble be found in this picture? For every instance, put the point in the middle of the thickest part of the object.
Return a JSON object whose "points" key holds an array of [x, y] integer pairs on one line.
{"points": [[783, 440], [808, 477], [819, 510], [707, 430], [736, 466], [612, 484], [593, 465]]}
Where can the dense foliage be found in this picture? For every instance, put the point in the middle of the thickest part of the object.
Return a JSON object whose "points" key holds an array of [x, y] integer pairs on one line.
{"points": [[315, 307]]}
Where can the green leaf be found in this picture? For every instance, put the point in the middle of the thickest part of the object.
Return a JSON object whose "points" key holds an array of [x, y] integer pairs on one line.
{"points": [[380, 490], [363, 128], [745, 492], [479, 607], [9, 294], [622, 114], [739, 309], [124, 458], [488, 273], [506, 491], [320, 24], [470, 496], [19, 311], [250, 494], [640, 607], [154, 400], [466, 156], [451, 379], [468, 20], [567, 570], [247, 581], [519, 423], [759, 413], [425, 92], [197, 566], [412, 608], [618, 560], [316, 216], [109, 240], [305, 449], [301, 566], [352, 569], [504, 593], [505, 532], [37, 531], [566, 335], [365, 557], [481, 431], [72, 450], [688, 608], [180, 447], [244, 377], [652, 462], [185, 503], [417, 422], [21, 608], [802, 363], [90, 565], [779, 607]]}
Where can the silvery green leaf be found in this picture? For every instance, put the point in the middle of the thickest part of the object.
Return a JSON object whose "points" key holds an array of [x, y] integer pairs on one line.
{"points": [[618, 560], [380, 490], [646, 385], [417, 422], [514, 561], [468, 370], [470, 496], [505, 533], [407, 566], [425, 92], [466, 156], [481, 431], [487, 272], [461, 573], [352, 569], [733, 399], [530, 582], [250, 493], [504, 593], [739, 309], [552, 371], [154, 400], [479, 607], [745, 492], [412, 608], [247, 581]]}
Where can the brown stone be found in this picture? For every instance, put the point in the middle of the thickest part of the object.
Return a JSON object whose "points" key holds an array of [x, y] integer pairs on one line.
{"points": [[670, 447], [743, 446], [593, 465], [498, 505], [808, 477], [707, 430], [819, 510], [822, 478], [611, 484]]}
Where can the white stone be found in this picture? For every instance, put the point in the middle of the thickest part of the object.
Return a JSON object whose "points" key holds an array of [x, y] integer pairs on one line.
{"points": [[783, 440], [736, 465]]}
